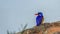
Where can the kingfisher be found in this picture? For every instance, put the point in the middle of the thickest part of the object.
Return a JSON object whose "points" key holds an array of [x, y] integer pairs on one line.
{"points": [[39, 18]]}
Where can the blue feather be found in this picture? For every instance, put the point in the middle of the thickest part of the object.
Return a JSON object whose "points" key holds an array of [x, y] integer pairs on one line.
{"points": [[39, 19]]}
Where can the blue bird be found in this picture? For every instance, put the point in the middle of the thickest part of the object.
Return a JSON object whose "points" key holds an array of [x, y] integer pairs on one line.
{"points": [[39, 18]]}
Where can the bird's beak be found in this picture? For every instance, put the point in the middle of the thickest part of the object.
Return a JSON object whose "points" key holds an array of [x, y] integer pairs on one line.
{"points": [[36, 14]]}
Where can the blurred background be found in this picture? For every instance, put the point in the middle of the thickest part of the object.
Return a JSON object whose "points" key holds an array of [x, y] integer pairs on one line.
{"points": [[17, 13]]}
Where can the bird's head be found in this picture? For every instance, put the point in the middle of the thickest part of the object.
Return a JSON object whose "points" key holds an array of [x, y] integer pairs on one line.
{"points": [[39, 14]]}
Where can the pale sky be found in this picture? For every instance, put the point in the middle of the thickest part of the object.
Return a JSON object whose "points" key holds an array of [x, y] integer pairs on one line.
{"points": [[13, 13]]}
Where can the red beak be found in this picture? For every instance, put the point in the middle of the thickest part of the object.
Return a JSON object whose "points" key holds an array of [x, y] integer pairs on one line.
{"points": [[36, 14]]}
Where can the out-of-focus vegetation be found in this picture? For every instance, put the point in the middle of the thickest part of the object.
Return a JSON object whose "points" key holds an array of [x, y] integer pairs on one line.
{"points": [[20, 32], [24, 29], [10, 32]]}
